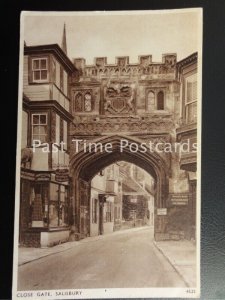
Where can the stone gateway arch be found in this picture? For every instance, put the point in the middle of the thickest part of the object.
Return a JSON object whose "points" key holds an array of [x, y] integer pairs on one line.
{"points": [[142, 103], [84, 166]]}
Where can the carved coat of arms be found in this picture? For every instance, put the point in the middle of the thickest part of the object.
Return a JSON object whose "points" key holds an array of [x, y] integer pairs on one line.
{"points": [[119, 98]]}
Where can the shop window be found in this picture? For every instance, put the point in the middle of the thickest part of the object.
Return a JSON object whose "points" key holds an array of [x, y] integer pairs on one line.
{"points": [[39, 206], [150, 101], [39, 127], [53, 205], [63, 206], [40, 70], [58, 205], [191, 99], [26, 200], [160, 101]]}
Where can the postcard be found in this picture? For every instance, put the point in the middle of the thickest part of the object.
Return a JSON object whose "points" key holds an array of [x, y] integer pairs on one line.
{"points": [[109, 155]]}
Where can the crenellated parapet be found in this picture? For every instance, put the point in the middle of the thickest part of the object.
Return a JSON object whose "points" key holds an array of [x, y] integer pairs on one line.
{"points": [[145, 68]]}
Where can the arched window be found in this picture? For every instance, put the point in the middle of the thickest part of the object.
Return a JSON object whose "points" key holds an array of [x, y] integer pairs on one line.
{"points": [[77, 103], [160, 101], [87, 102], [82, 102], [150, 101]]}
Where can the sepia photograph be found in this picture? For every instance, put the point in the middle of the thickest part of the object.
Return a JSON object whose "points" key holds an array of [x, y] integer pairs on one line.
{"points": [[108, 155]]}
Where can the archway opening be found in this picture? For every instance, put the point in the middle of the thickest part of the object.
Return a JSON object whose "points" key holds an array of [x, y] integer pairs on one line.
{"points": [[85, 165], [121, 197]]}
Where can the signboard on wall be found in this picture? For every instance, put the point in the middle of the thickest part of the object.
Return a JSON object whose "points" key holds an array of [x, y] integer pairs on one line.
{"points": [[179, 199], [161, 211]]}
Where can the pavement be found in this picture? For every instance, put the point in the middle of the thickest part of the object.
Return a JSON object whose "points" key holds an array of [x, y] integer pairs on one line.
{"points": [[127, 258], [182, 256]]}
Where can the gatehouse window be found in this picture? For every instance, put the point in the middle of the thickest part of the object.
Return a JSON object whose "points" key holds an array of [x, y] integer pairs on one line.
{"points": [[160, 101], [150, 101], [78, 103], [39, 127], [87, 102], [82, 102], [40, 69]]}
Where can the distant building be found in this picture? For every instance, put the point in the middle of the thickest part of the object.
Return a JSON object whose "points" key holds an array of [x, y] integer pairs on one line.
{"points": [[137, 196], [105, 205]]}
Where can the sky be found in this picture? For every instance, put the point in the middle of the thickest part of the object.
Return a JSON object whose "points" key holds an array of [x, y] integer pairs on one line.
{"points": [[97, 34]]}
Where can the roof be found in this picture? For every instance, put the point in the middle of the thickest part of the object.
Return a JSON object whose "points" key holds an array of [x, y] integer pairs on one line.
{"points": [[55, 50], [187, 60]]}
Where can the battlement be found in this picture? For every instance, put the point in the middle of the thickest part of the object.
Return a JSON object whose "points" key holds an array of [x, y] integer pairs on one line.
{"points": [[168, 59], [122, 67]]}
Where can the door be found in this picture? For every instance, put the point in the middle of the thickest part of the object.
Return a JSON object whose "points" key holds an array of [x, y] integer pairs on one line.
{"points": [[84, 207]]}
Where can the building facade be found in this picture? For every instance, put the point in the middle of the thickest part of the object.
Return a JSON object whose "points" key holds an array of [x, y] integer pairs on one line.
{"points": [[105, 201], [45, 208], [141, 103], [187, 131]]}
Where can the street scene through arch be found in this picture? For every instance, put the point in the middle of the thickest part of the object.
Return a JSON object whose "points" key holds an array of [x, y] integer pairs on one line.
{"points": [[108, 168], [85, 165], [121, 197]]}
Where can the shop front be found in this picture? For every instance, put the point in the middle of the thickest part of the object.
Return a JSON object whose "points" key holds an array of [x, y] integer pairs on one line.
{"points": [[45, 210]]}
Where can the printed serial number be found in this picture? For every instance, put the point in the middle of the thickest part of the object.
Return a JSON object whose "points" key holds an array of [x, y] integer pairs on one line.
{"points": [[190, 291]]}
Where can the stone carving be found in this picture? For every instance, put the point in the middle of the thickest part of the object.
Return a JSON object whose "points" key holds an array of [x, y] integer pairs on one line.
{"points": [[119, 98], [26, 157], [103, 126]]}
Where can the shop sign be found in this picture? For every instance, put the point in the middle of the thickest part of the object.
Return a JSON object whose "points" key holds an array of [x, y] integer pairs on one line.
{"points": [[42, 177], [179, 199], [27, 175], [62, 175], [161, 211]]}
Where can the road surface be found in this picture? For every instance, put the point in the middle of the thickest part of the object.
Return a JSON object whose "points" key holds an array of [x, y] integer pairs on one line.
{"points": [[119, 260]]}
